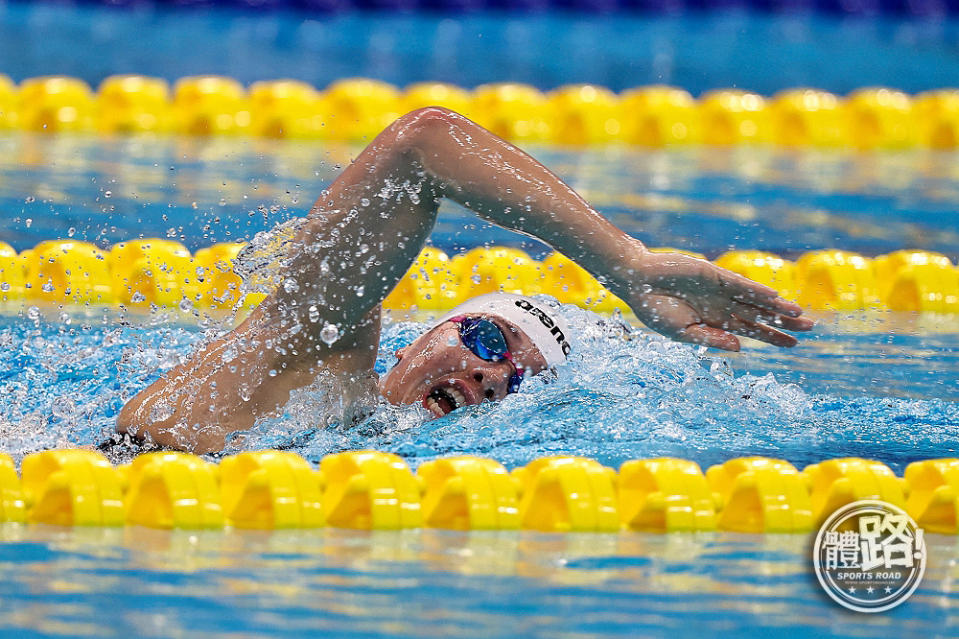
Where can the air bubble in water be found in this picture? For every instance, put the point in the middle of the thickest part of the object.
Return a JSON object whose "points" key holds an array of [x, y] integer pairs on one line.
{"points": [[314, 313], [4, 286], [47, 287], [360, 290], [244, 392], [290, 285], [186, 305], [138, 297], [33, 313], [329, 334]]}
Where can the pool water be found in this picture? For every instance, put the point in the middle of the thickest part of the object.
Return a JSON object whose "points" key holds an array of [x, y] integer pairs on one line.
{"points": [[147, 583], [696, 50], [877, 385]]}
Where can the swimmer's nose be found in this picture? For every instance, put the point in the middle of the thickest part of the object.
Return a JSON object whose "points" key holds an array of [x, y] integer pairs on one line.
{"points": [[493, 379]]}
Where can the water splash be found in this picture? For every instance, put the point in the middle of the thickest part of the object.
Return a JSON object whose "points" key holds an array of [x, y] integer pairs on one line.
{"points": [[624, 393]]}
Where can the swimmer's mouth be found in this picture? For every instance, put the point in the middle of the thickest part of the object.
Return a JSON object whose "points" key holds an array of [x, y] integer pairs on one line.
{"points": [[444, 399]]}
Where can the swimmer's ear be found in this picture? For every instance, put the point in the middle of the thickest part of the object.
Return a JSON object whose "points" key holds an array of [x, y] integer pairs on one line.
{"points": [[400, 352]]}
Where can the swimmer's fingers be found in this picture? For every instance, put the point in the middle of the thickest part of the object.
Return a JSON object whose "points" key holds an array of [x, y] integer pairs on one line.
{"points": [[757, 315], [760, 332], [676, 319], [745, 290], [708, 336]]}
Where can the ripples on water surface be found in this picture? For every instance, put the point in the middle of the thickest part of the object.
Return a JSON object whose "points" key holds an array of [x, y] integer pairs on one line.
{"points": [[144, 583], [877, 385]]}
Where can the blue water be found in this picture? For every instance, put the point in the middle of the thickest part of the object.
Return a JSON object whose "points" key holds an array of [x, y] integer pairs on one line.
{"points": [[330, 583], [694, 50], [707, 200]]}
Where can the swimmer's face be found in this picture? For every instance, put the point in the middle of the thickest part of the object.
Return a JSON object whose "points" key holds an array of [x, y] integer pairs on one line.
{"points": [[438, 372]]}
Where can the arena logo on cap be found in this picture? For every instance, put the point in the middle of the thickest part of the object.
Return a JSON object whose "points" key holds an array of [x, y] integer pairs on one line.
{"points": [[546, 321], [869, 556]]}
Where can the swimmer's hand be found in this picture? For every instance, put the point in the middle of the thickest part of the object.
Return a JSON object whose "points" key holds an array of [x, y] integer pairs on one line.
{"points": [[692, 300]]}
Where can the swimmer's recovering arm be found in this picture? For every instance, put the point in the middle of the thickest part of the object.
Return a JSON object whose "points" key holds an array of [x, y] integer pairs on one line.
{"points": [[367, 228], [364, 233]]}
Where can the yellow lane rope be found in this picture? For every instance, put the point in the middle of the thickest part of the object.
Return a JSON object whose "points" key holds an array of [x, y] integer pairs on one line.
{"points": [[576, 115]]}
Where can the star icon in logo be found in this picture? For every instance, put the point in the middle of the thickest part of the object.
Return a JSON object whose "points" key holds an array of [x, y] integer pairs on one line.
{"points": [[870, 590], [888, 590], [852, 590]]}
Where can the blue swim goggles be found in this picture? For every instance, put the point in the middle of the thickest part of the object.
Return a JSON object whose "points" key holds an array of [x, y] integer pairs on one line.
{"points": [[485, 340]]}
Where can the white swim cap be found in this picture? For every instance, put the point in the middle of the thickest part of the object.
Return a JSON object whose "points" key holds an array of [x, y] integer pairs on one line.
{"points": [[543, 325]]}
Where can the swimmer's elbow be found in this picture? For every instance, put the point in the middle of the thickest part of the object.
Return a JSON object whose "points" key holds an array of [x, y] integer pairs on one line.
{"points": [[420, 128]]}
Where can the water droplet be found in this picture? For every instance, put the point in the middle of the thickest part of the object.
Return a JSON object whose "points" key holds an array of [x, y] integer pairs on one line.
{"points": [[33, 313], [273, 372], [329, 334], [4, 286], [314, 313], [186, 305], [47, 287], [171, 232], [161, 411], [138, 297], [28, 221], [290, 285], [71, 232], [28, 200], [108, 194], [244, 391], [360, 290]]}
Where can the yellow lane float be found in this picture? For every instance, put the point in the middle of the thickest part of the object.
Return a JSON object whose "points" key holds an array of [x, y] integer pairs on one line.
{"points": [[55, 104], [285, 109], [72, 488], [370, 490], [468, 493], [129, 104], [665, 495], [806, 118], [161, 272], [210, 105], [12, 505], [567, 494], [173, 490], [760, 494], [271, 489], [8, 103], [356, 109], [837, 482], [934, 494], [658, 116], [879, 118]]}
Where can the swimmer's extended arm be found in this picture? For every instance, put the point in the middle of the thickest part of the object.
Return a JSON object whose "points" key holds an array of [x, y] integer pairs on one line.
{"points": [[368, 227], [363, 234]]}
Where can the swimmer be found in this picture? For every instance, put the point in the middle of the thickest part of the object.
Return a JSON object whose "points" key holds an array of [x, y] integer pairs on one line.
{"points": [[359, 239]]}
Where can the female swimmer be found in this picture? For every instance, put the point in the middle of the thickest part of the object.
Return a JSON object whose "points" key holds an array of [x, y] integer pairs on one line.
{"points": [[360, 238]]}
